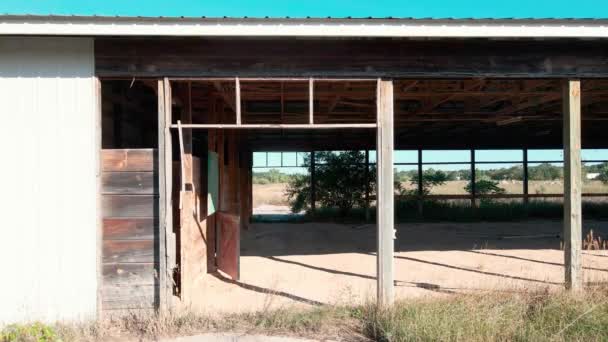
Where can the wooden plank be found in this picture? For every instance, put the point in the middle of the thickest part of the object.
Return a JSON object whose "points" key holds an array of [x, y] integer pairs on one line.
{"points": [[572, 185], [193, 249], [128, 251], [130, 229], [128, 159], [385, 194], [244, 176], [129, 274], [129, 183], [129, 206], [129, 297], [190, 231]]}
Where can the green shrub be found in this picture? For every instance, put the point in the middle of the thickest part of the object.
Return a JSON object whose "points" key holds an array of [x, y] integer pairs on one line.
{"points": [[340, 182], [35, 332]]}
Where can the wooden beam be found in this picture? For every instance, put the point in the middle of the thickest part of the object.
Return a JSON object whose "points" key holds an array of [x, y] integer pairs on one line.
{"points": [[385, 193], [346, 58], [572, 185], [277, 126]]}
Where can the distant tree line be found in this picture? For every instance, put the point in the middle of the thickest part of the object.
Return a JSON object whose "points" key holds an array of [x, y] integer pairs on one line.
{"points": [[341, 180], [271, 176]]}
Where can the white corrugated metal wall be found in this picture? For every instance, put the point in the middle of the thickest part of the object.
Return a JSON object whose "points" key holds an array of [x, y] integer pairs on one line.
{"points": [[48, 184]]}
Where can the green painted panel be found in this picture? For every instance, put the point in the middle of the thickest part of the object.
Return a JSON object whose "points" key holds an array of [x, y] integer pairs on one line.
{"points": [[213, 182]]}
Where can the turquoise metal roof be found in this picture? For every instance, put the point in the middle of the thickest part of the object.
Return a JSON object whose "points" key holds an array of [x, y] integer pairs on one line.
{"points": [[338, 9]]}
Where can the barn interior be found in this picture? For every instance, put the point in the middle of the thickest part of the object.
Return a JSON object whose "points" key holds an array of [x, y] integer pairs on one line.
{"points": [[219, 252]]}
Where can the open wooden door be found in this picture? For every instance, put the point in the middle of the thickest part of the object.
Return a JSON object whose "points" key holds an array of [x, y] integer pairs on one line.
{"points": [[227, 218], [229, 245]]}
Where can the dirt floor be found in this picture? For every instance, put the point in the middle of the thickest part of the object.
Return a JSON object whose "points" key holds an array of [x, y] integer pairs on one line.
{"points": [[319, 263]]}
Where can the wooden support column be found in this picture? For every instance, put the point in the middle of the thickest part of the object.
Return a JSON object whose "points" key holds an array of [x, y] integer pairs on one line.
{"points": [[572, 184], [311, 101], [525, 178], [385, 193], [420, 185], [237, 90], [165, 173], [367, 189], [313, 183]]}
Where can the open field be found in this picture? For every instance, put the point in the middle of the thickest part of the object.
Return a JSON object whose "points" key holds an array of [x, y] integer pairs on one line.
{"points": [[271, 198]]}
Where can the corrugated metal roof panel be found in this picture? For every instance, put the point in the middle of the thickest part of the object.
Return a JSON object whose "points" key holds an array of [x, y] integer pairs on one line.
{"points": [[5, 14], [302, 27]]}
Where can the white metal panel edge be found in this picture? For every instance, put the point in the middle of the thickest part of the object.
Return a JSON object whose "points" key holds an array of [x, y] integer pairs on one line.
{"points": [[48, 238], [457, 28]]}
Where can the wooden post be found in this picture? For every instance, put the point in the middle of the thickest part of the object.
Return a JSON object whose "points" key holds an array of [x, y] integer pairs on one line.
{"points": [[367, 189], [313, 183], [525, 178], [385, 193], [311, 101], [473, 182], [237, 90], [420, 185], [165, 205], [572, 184]]}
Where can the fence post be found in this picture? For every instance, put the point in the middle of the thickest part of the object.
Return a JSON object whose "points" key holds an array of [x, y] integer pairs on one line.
{"points": [[525, 178], [367, 189], [473, 181], [420, 185]]}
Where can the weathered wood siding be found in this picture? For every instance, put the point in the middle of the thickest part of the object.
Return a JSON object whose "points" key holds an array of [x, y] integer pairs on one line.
{"points": [[48, 179], [349, 57], [129, 187]]}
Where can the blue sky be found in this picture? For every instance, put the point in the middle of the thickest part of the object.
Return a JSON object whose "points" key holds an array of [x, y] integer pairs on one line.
{"points": [[316, 8]]}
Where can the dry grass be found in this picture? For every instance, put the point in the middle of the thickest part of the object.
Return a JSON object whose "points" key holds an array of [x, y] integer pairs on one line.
{"points": [[497, 317], [273, 194], [522, 316], [321, 323], [594, 242]]}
